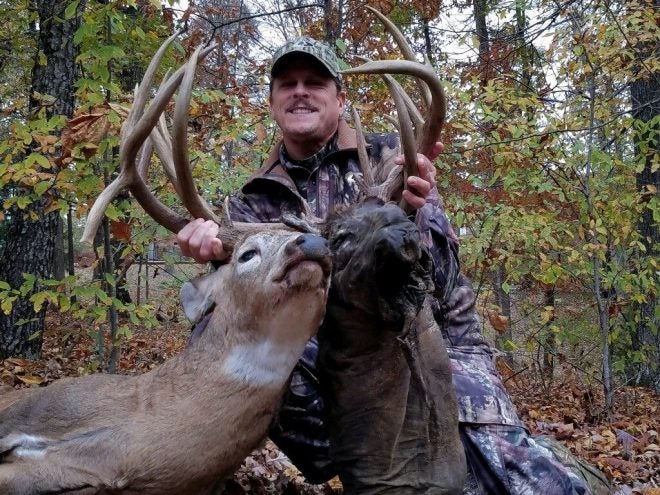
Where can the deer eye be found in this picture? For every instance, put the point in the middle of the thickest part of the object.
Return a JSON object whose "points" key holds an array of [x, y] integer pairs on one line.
{"points": [[247, 255], [341, 238]]}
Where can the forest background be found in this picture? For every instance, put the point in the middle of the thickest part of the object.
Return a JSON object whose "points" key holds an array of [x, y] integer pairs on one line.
{"points": [[550, 174]]}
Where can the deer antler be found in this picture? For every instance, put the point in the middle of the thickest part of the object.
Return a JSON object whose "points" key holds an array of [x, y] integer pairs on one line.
{"points": [[145, 130], [418, 134]]}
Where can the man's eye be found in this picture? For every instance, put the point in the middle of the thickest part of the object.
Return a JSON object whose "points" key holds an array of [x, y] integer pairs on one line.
{"points": [[247, 255]]}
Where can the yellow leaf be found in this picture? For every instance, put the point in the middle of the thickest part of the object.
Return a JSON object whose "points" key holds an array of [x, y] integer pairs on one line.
{"points": [[31, 379]]}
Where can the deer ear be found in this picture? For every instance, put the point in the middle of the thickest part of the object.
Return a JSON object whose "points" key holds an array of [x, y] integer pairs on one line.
{"points": [[197, 295]]}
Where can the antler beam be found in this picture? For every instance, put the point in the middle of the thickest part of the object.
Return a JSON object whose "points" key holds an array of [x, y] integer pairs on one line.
{"points": [[418, 133], [145, 130]]}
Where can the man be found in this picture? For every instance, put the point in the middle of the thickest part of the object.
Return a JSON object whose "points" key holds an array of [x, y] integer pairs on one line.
{"points": [[315, 163]]}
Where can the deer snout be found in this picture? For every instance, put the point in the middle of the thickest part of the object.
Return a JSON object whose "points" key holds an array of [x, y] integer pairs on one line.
{"points": [[397, 245], [303, 253], [311, 247]]}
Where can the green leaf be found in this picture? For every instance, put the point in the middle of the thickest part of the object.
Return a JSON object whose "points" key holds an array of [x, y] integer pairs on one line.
{"points": [[139, 32], [103, 297], [23, 201], [41, 187], [84, 291], [71, 10], [64, 303], [38, 300], [112, 212], [7, 304]]}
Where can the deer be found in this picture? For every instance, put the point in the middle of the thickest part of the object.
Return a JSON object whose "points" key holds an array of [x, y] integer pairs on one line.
{"points": [[391, 410], [186, 425]]}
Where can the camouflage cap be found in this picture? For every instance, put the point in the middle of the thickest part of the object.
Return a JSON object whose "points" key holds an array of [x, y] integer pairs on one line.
{"points": [[320, 51]]}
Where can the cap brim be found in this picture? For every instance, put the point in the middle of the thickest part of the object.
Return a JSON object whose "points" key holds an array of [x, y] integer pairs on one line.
{"points": [[333, 73]]}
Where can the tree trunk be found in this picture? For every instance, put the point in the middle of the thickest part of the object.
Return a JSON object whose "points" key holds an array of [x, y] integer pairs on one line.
{"points": [[550, 342], [31, 234], [71, 255], [333, 20], [503, 301], [59, 259], [645, 96], [481, 30]]}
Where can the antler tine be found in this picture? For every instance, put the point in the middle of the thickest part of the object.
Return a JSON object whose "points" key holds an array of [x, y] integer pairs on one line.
{"points": [[363, 156], [144, 159], [406, 50], [163, 144], [437, 111], [415, 116], [133, 134], [193, 202], [141, 94], [406, 133]]}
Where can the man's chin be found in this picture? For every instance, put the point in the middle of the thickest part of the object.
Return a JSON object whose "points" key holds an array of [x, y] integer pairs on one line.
{"points": [[303, 122], [305, 132]]}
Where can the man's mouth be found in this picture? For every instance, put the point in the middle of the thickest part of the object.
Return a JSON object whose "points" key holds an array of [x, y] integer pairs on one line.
{"points": [[301, 110]]}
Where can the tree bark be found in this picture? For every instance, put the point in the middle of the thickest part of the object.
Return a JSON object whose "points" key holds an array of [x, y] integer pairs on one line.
{"points": [[31, 234], [481, 30], [59, 259], [503, 301], [645, 96]]}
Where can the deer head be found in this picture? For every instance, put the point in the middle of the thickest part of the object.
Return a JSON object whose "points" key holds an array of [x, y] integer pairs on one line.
{"points": [[186, 425]]}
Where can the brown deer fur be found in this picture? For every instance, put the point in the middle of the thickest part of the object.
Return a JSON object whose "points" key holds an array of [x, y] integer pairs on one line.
{"points": [[188, 423]]}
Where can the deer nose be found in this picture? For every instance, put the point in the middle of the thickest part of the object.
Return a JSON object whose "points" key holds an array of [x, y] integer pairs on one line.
{"points": [[397, 245], [311, 245]]}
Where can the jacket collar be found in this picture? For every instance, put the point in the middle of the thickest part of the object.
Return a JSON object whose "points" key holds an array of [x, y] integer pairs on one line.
{"points": [[346, 139], [271, 170]]}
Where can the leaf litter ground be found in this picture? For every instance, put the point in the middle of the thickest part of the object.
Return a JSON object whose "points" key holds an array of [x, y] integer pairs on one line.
{"points": [[625, 447]]}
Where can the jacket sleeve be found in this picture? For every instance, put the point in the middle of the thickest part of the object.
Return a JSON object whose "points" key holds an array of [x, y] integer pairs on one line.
{"points": [[439, 237]]}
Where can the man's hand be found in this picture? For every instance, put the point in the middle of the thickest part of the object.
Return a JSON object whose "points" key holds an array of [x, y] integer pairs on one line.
{"points": [[198, 240], [419, 186]]}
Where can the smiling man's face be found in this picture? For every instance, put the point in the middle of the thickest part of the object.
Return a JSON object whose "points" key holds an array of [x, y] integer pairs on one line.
{"points": [[306, 104]]}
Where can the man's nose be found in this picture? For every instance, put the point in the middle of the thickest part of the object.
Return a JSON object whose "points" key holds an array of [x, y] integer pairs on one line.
{"points": [[301, 88]]}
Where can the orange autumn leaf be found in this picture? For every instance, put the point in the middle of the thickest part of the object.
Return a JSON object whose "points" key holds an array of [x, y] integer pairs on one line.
{"points": [[497, 320]]}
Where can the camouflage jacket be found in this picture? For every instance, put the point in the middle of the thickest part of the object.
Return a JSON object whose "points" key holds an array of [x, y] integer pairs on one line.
{"points": [[272, 191]]}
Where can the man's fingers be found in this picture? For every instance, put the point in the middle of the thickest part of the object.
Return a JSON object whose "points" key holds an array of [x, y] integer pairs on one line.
{"points": [[183, 236], [426, 169], [219, 252], [438, 148], [198, 240], [419, 186], [415, 201]]}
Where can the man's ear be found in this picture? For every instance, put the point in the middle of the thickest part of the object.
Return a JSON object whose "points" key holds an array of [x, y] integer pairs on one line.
{"points": [[341, 98]]}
